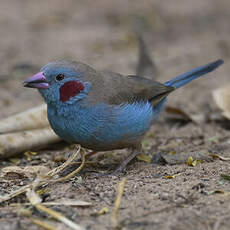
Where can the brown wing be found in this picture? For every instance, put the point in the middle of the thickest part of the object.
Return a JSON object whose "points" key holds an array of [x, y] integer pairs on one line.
{"points": [[113, 88]]}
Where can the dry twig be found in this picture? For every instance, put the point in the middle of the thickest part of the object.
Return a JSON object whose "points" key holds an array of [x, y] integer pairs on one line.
{"points": [[34, 118], [117, 202], [35, 200], [42, 224], [14, 143], [47, 178]]}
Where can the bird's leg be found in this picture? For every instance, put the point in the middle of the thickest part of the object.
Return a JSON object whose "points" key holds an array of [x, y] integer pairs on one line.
{"points": [[135, 151]]}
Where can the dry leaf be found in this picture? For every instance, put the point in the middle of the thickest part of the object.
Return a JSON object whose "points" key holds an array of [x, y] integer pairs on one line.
{"points": [[20, 172], [191, 162], [196, 162], [222, 98], [48, 177], [170, 177], [178, 112], [144, 157], [28, 154], [181, 114]]}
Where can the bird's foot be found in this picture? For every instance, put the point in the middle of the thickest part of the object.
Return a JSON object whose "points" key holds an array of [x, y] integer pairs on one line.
{"points": [[120, 169]]}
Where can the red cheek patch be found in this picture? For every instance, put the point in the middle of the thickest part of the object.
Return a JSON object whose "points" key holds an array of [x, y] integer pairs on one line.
{"points": [[70, 89]]}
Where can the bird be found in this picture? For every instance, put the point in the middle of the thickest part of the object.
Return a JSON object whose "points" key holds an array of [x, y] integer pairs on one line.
{"points": [[104, 110]]}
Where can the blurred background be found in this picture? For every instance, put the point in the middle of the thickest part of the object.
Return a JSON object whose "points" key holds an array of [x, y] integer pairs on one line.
{"points": [[179, 34]]}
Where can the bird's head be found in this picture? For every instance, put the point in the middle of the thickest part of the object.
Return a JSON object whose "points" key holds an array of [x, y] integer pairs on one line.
{"points": [[60, 82]]}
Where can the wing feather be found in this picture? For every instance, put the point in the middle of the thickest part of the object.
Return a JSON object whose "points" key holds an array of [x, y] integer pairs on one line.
{"points": [[118, 89]]}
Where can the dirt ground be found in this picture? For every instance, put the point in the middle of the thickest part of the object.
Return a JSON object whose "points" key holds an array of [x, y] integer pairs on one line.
{"points": [[180, 35]]}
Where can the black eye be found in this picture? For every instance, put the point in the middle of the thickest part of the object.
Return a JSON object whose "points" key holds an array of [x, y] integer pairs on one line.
{"points": [[60, 77]]}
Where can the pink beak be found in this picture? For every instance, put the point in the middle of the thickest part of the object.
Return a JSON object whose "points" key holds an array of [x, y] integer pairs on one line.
{"points": [[37, 81]]}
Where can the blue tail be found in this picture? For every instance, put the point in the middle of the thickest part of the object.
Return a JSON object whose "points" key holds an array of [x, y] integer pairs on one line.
{"points": [[185, 78]]}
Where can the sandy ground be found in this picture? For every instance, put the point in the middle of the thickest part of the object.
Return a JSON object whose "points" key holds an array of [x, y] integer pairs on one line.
{"points": [[180, 35]]}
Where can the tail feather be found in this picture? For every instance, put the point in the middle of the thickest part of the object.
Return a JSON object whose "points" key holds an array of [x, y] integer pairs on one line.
{"points": [[185, 78]]}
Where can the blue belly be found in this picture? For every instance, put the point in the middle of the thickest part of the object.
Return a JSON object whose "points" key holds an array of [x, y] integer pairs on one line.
{"points": [[102, 127]]}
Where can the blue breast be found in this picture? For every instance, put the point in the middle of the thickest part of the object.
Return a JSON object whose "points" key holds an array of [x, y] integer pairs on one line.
{"points": [[102, 127]]}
